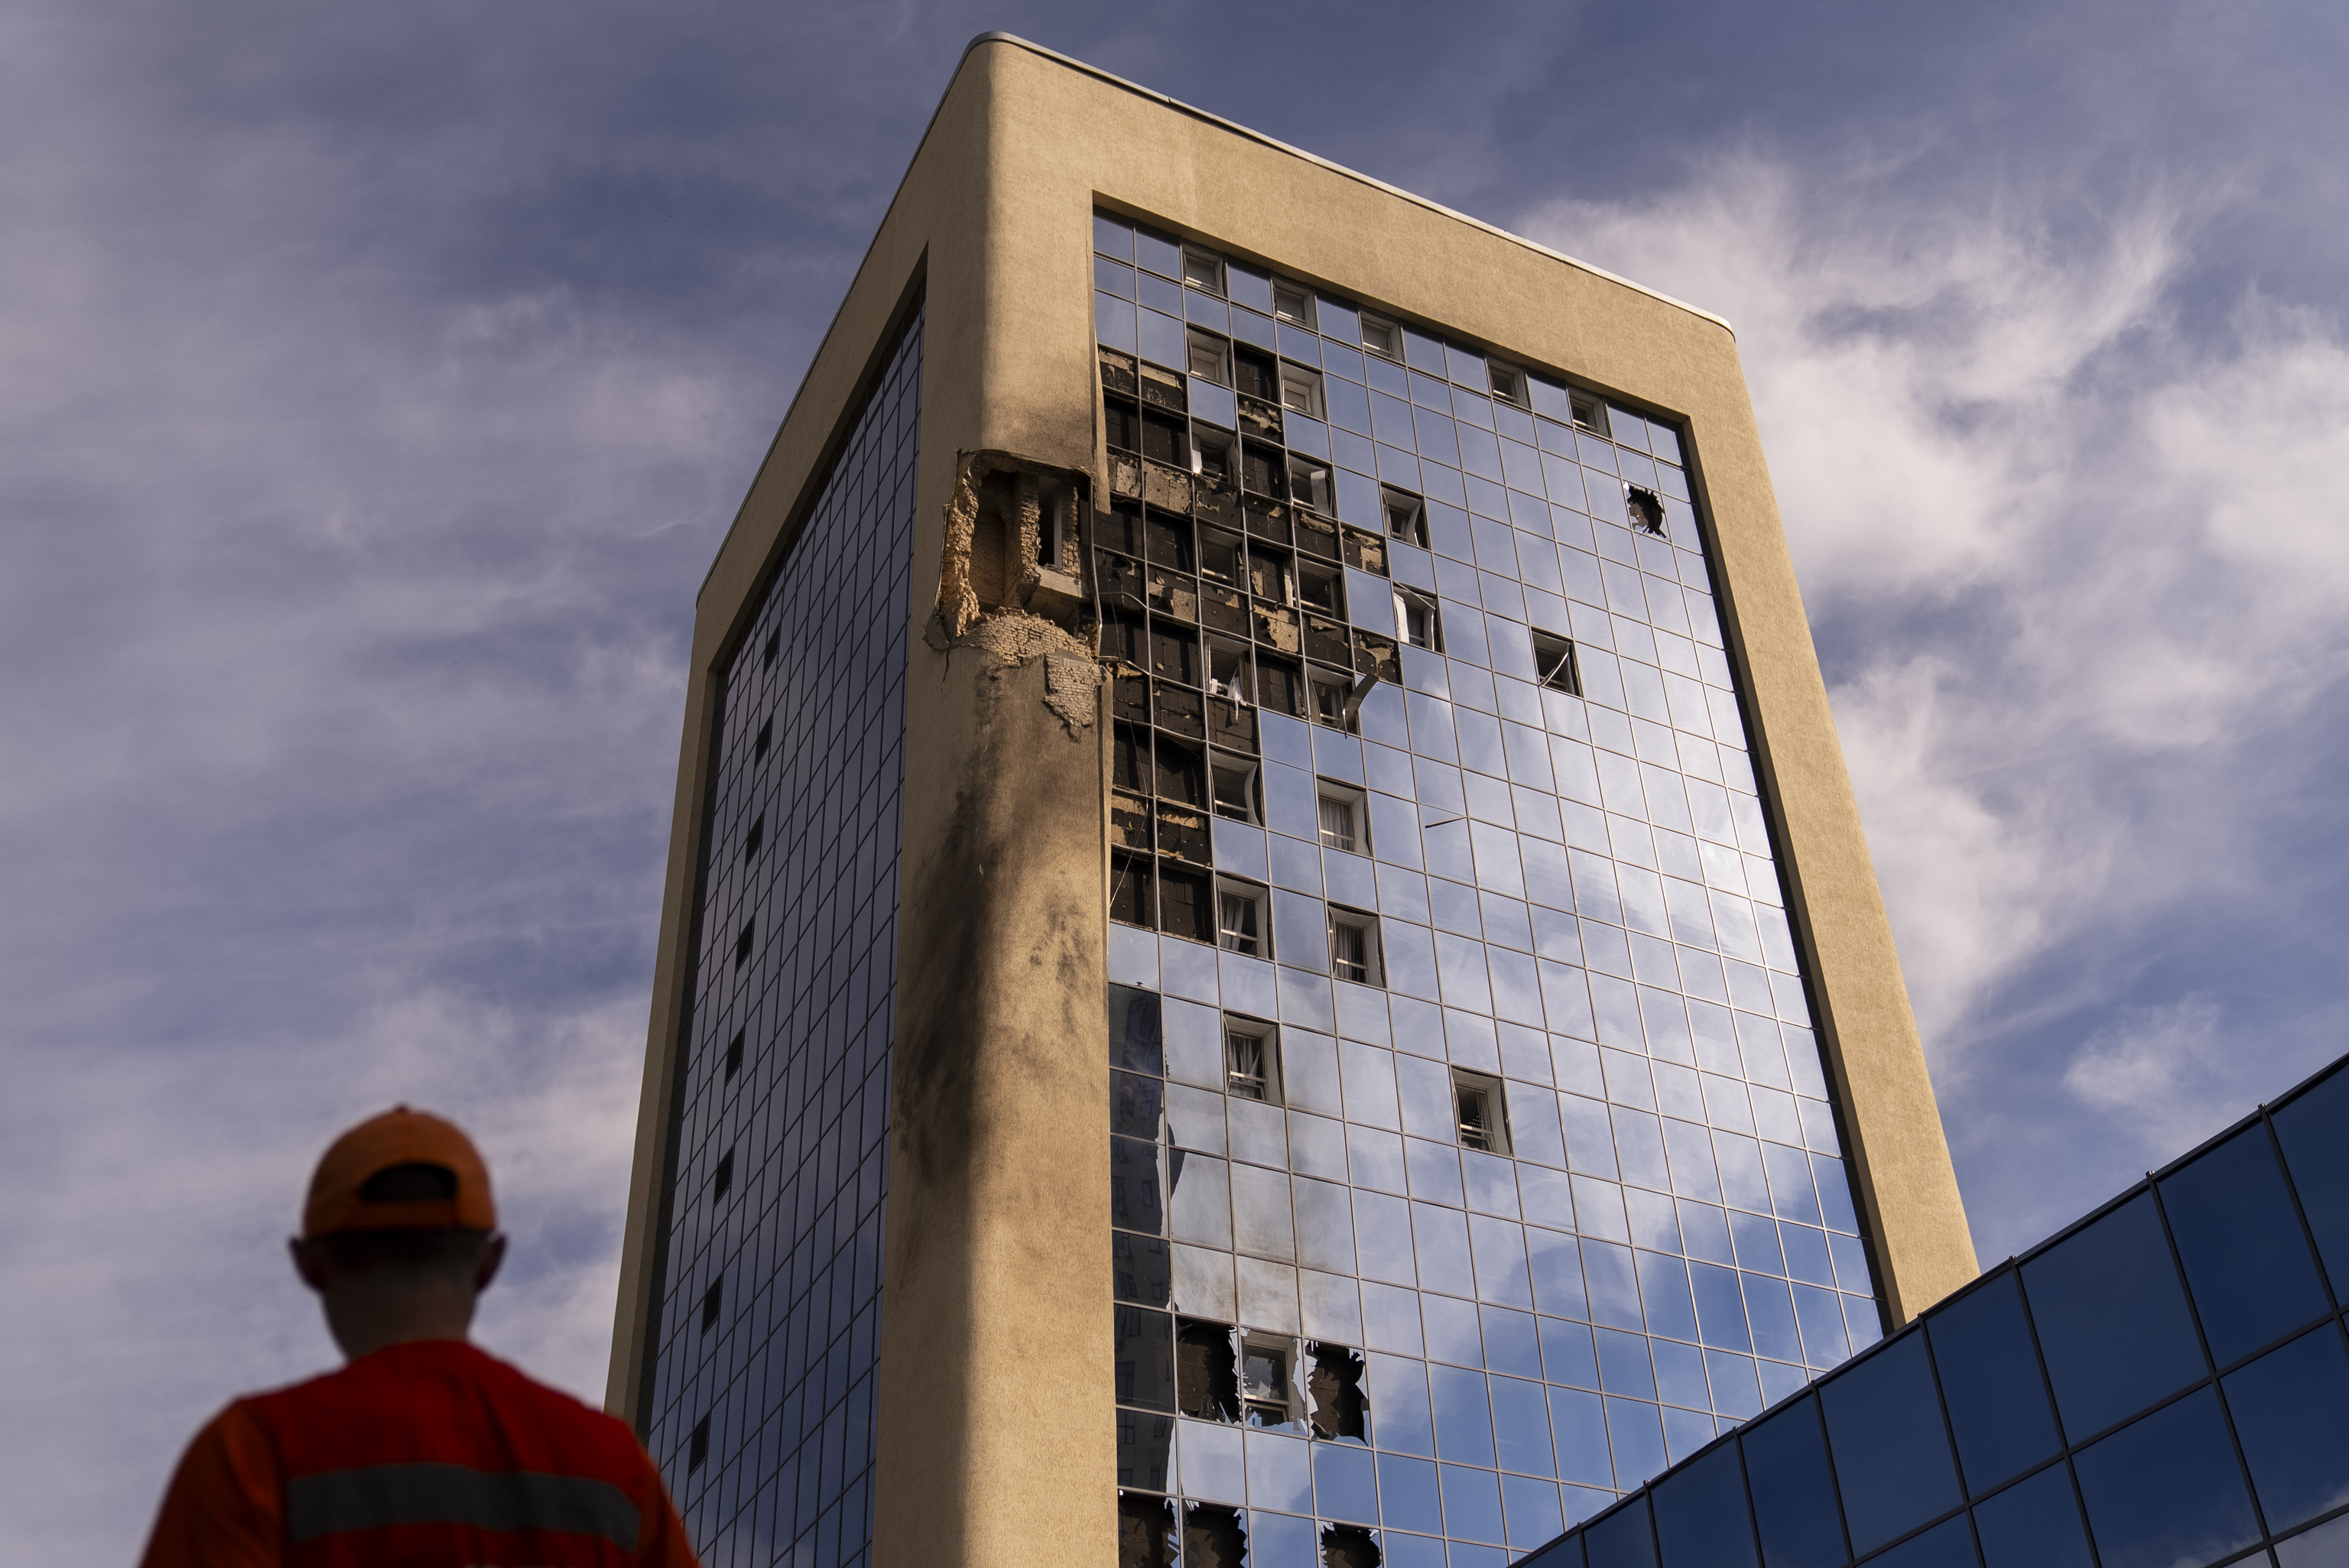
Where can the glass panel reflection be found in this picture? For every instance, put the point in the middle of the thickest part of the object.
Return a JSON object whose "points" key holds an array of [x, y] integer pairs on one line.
{"points": [[2112, 1318], [1990, 1374], [2165, 1490], [2246, 1257], [1431, 1166], [2033, 1524], [1891, 1452]]}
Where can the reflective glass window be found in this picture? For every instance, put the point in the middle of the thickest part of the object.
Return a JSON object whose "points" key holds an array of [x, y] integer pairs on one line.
{"points": [[1990, 1376], [2292, 1414], [2326, 1546], [1701, 1515], [1891, 1451], [1949, 1544], [2318, 1155], [2112, 1319], [1624, 1539], [2036, 1523], [2166, 1491], [1793, 1490], [2246, 1257]]}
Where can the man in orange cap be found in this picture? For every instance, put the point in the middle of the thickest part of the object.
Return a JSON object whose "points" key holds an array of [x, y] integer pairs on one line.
{"points": [[422, 1448]]}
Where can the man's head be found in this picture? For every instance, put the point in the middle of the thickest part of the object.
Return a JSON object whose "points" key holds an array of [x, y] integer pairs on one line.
{"points": [[398, 1235]]}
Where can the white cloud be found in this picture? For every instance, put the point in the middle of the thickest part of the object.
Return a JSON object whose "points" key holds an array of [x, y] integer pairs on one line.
{"points": [[2076, 571], [2160, 1071], [2049, 543]]}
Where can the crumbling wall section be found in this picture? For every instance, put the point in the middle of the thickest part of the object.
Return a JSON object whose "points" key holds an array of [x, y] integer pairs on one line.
{"points": [[1030, 604]]}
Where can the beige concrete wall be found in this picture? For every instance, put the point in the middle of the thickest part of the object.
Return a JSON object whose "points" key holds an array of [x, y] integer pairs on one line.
{"points": [[995, 1431]]}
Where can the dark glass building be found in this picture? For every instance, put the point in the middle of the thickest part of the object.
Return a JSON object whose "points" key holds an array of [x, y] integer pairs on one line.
{"points": [[2165, 1385]]}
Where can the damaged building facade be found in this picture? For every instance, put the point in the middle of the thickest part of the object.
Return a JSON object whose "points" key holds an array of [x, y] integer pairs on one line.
{"points": [[1266, 955]]}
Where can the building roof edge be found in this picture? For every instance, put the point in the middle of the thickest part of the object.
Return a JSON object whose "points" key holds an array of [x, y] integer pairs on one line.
{"points": [[1299, 152]]}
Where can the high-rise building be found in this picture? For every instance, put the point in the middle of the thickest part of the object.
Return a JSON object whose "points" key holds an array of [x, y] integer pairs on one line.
{"points": [[2167, 1378], [1266, 945]]}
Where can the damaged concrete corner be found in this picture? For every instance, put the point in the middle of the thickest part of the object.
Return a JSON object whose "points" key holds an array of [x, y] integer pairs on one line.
{"points": [[1011, 577]]}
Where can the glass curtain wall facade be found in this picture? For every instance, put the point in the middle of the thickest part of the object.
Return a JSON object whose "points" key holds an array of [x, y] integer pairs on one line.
{"points": [[1472, 1156], [762, 1392], [2164, 1386]]}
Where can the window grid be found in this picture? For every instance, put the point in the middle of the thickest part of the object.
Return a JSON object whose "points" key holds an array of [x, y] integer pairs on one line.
{"points": [[768, 1331], [1574, 892]]}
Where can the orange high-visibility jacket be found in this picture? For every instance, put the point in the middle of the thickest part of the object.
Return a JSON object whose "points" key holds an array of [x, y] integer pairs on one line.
{"points": [[428, 1452]]}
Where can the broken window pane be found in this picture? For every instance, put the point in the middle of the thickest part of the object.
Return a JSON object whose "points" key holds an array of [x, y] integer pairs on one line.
{"points": [[1166, 439], [1333, 700], [1182, 773], [1263, 471], [1131, 895], [1183, 835], [1145, 1525], [1227, 672], [1335, 1387], [1129, 759], [1174, 653], [1279, 685], [1184, 904], [1207, 1381], [1308, 485], [1317, 536], [1164, 389], [1211, 456], [1317, 589], [1212, 1537], [1253, 375], [1117, 373], [1349, 1546], [1647, 508]]}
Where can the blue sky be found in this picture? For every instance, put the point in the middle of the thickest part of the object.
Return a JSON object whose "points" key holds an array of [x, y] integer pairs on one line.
{"points": [[379, 381]]}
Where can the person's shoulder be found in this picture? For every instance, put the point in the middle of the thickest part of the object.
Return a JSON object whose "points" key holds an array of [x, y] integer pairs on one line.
{"points": [[261, 1403], [519, 1385]]}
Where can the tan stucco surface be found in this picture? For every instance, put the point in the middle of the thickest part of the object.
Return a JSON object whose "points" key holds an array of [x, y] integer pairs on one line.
{"points": [[996, 1441]]}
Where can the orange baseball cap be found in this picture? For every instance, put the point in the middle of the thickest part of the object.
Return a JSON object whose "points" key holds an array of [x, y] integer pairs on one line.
{"points": [[339, 1201]]}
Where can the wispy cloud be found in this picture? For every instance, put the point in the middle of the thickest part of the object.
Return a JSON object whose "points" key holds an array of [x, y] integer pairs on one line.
{"points": [[2074, 574]]}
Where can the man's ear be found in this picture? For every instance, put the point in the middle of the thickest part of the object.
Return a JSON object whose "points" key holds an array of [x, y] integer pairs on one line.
{"points": [[493, 1255], [309, 1262]]}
